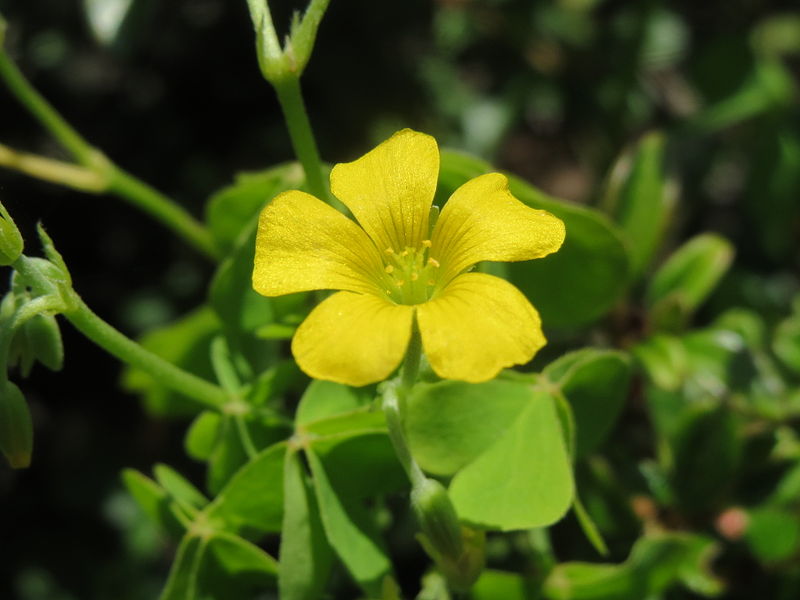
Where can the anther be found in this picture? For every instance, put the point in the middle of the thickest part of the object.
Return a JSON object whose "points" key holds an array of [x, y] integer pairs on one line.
{"points": [[434, 262], [400, 283], [388, 268], [414, 276], [404, 252], [389, 251], [426, 243], [431, 282]]}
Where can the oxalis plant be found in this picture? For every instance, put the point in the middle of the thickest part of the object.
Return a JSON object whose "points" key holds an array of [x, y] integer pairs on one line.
{"points": [[410, 281]]}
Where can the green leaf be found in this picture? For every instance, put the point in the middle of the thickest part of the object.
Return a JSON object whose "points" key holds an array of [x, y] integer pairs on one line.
{"points": [[596, 385], [202, 435], [664, 359], [227, 457], [243, 312], [691, 273], [323, 399], [579, 283], [524, 479], [494, 585], [184, 343], [361, 464], [16, 427], [769, 86], [54, 256], [787, 492], [179, 488], [11, 244], [707, 449], [357, 422], [240, 559], [641, 199], [656, 563], [305, 555], [232, 210], [773, 534], [589, 527], [253, 498], [185, 572], [154, 501], [349, 530], [786, 342], [450, 423]]}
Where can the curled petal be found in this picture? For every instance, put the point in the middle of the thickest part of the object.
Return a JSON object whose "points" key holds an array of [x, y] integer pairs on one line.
{"points": [[303, 244], [478, 325], [390, 189], [355, 339], [483, 221]]}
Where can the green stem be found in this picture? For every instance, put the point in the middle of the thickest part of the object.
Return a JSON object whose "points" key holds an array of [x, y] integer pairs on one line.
{"points": [[303, 142], [128, 351], [394, 421], [244, 436], [112, 178], [394, 403], [163, 209], [410, 369], [44, 112]]}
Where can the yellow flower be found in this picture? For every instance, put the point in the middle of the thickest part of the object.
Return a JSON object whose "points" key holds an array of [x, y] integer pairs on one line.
{"points": [[392, 269]]}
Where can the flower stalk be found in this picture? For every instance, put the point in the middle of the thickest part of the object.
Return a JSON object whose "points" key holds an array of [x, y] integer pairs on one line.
{"points": [[282, 68], [117, 344]]}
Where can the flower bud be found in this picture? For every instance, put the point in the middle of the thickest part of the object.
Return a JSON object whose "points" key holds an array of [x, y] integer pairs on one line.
{"points": [[44, 340], [16, 427], [10, 239], [437, 517]]}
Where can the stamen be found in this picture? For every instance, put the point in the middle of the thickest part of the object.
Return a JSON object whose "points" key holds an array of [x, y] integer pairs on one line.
{"points": [[400, 283], [389, 251], [389, 269], [404, 252], [426, 243], [414, 276], [434, 262]]}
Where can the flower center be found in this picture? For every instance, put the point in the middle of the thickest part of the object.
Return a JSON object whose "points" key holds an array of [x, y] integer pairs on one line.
{"points": [[410, 275]]}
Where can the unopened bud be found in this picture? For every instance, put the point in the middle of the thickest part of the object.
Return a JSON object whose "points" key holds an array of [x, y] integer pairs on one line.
{"points": [[44, 340], [437, 517], [459, 551], [16, 427]]}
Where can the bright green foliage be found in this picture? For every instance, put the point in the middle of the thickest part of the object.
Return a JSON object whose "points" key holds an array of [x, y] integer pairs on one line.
{"points": [[655, 563], [11, 243], [596, 385], [523, 480], [663, 410], [350, 531], [687, 278], [641, 199]]}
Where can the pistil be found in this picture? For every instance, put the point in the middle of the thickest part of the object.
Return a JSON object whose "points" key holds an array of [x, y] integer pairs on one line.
{"points": [[410, 274]]}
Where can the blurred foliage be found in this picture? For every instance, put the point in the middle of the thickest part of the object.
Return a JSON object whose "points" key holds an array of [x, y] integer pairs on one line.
{"points": [[673, 310]]}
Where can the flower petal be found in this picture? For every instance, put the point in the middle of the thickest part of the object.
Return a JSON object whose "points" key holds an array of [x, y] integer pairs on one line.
{"points": [[483, 221], [304, 244], [353, 339], [478, 325], [390, 189]]}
